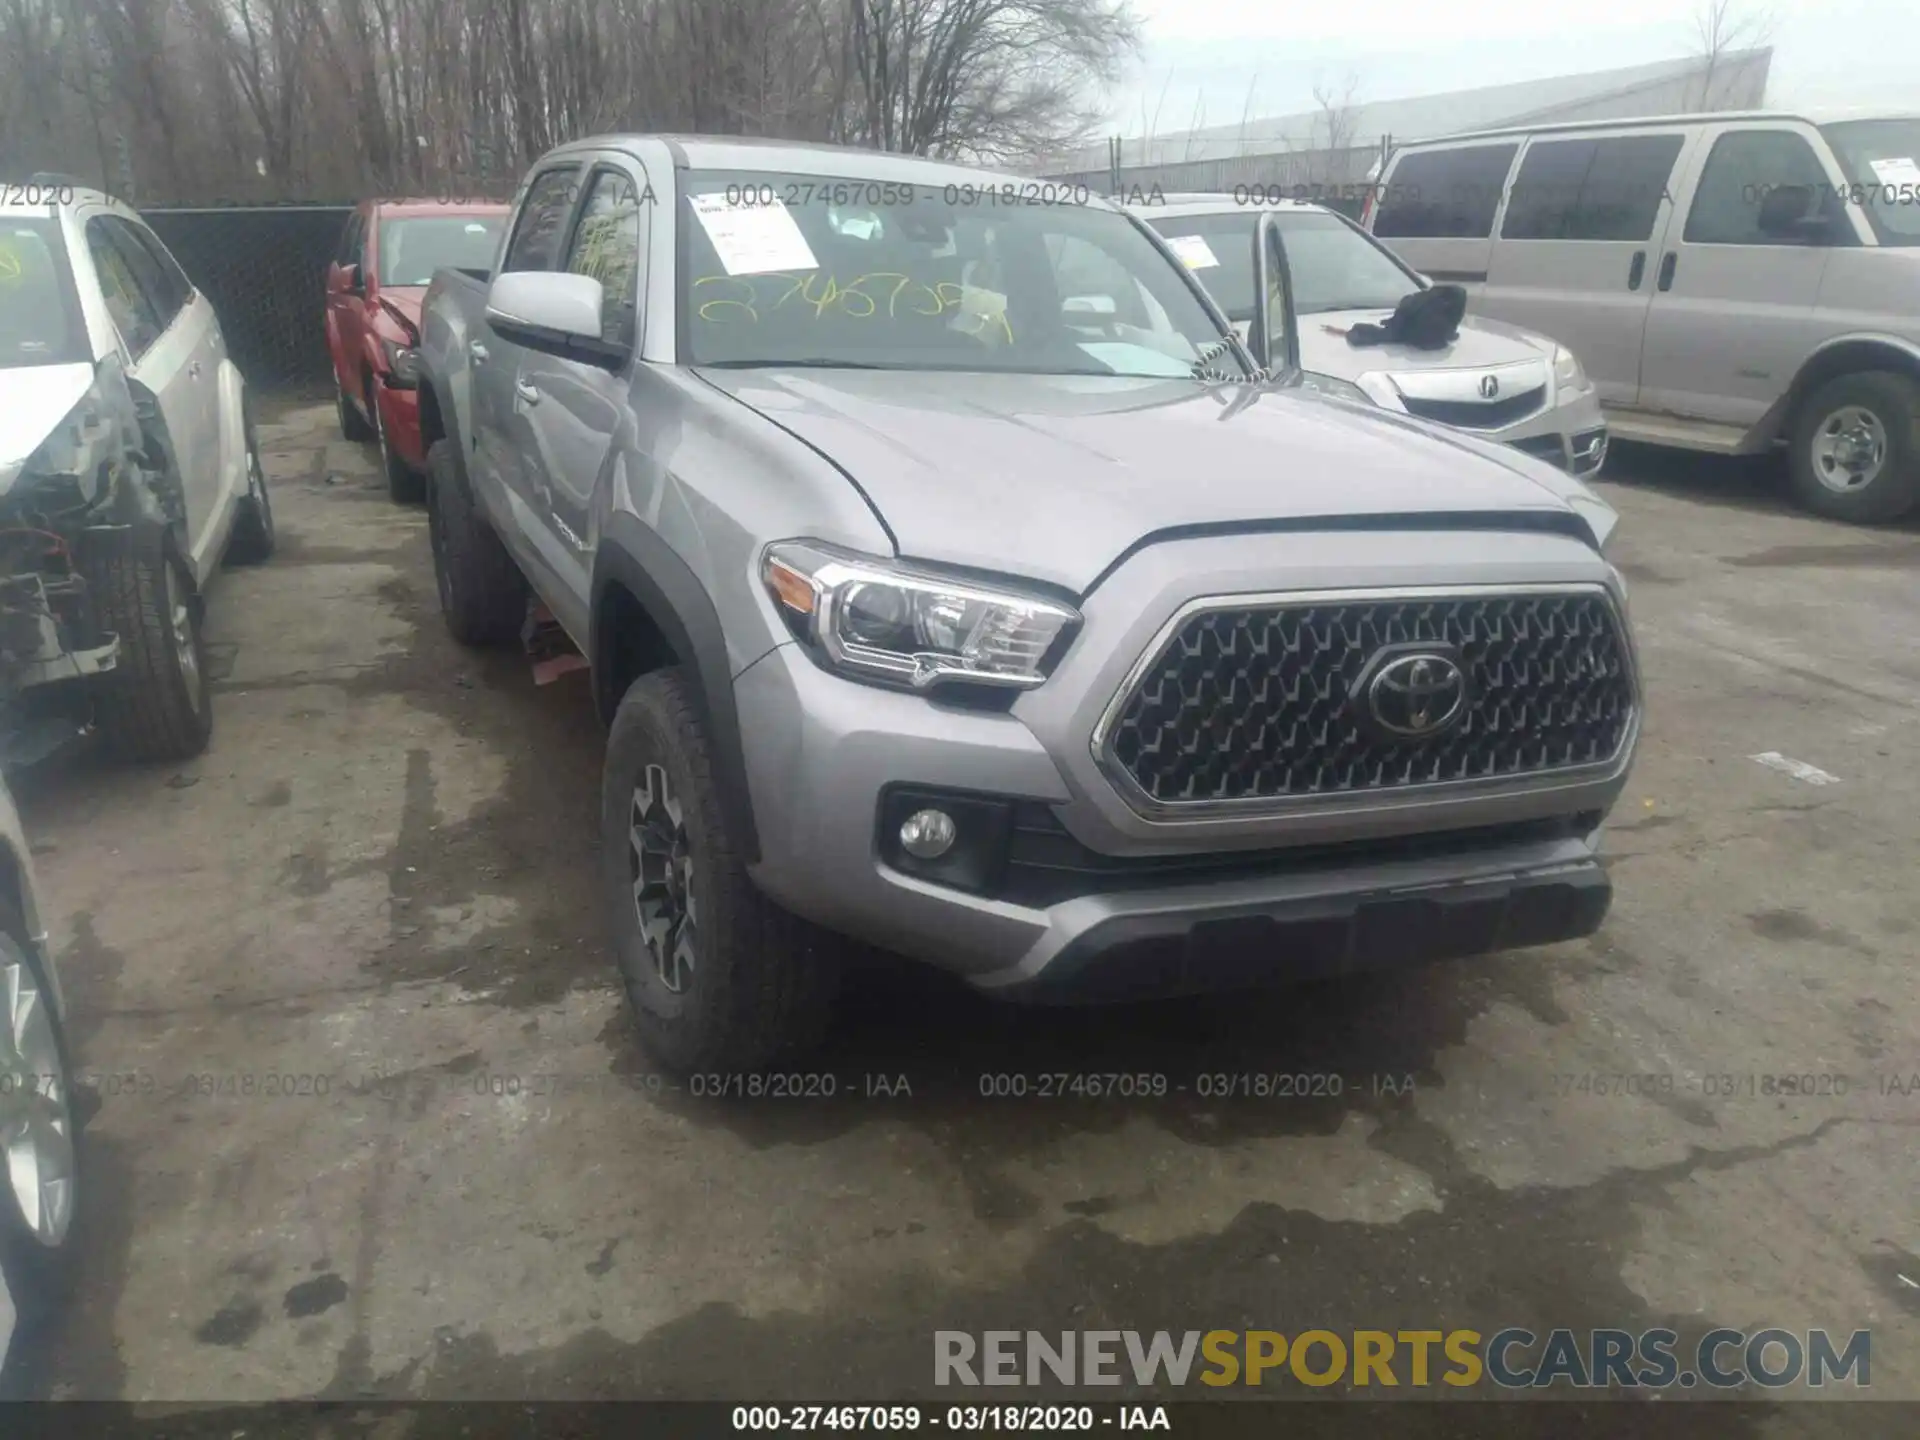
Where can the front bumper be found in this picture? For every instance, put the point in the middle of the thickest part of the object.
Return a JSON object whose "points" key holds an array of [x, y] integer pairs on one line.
{"points": [[1568, 432], [400, 418], [822, 755]]}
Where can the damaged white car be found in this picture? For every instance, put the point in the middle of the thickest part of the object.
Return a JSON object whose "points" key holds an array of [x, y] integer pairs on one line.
{"points": [[128, 470]]}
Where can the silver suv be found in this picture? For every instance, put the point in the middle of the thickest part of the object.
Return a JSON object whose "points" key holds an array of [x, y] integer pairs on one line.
{"points": [[1063, 641], [1497, 380]]}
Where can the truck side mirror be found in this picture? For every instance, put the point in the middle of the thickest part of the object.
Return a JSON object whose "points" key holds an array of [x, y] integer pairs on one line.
{"points": [[1274, 336], [554, 312], [353, 279]]}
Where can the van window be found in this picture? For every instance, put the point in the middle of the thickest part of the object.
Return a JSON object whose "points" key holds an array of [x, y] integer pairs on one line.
{"points": [[1743, 167], [1453, 193], [1882, 158], [1603, 189]]}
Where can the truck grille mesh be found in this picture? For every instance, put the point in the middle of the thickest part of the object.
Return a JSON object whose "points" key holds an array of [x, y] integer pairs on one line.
{"points": [[1252, 704]]}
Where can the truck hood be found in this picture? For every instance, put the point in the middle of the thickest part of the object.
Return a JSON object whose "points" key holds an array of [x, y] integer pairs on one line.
{"points": [[1481, 344], [34, 399], [1055, 477]]}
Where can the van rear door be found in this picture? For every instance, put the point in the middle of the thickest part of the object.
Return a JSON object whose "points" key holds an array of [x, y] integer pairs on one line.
{"points": [[1577, 258]]}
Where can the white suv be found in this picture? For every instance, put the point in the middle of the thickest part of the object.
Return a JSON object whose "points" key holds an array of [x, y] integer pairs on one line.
{"points": [[128, 469]]}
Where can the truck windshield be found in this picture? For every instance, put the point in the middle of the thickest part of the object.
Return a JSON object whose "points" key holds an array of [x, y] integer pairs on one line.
{"points": [[1334, 266], [1882, 159], [795, 269], [40, 321], [412, 248]]}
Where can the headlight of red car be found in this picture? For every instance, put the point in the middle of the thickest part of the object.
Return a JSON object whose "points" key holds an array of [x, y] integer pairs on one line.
{"points": [[403, 364]]}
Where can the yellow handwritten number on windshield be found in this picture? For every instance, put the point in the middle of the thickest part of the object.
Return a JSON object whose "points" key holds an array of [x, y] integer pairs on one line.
{"points": [[824, 292]]}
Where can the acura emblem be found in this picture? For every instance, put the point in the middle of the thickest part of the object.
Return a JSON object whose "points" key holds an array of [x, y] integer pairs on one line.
{"points": [[1489, 386], [1412, 692]]}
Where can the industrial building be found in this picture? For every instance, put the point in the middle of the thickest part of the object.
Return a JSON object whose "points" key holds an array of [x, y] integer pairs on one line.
{"points": [[1339, 145]]}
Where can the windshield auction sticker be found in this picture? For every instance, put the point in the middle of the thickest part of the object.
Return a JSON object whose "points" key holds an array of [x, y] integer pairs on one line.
{"points": [[1900, 170], [1193, 250], [753, 239]]}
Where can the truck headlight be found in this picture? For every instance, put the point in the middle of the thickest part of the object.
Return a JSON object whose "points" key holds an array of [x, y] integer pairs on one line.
{"points": [[1569, 378], [875, 620], [403, 365], [1334, 386]]}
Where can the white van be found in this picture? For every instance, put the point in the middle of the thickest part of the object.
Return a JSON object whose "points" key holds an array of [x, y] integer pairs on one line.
{"points": [[1730, 281]]}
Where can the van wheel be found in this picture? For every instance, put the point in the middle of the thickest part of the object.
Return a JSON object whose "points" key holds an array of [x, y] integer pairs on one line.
{"points": [[352, 424], [404, 485], [482, 594], [40, 1189], [1856, 448], [252, 541], [719, 977], [155, 703]]}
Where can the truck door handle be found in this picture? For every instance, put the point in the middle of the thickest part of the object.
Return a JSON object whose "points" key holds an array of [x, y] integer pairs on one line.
{"points": [[526, 392], [193, 370], [1667, 267], [1637, 271], [477, 351]]}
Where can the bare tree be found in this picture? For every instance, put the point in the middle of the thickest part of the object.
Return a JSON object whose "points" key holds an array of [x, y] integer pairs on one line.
{"points": [[330, 99], [983, 79], [1330, 133], [1722, 28]]}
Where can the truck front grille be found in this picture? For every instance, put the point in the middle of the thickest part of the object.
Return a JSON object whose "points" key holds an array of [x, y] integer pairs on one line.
{"points": [[1250, 703]]}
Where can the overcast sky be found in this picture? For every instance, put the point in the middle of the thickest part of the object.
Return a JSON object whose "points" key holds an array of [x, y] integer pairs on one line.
{"points": [[1825, 51]]}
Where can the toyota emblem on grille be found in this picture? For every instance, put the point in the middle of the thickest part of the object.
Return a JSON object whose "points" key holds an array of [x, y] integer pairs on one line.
{"points": [[1412, 692], [1489, 386]]}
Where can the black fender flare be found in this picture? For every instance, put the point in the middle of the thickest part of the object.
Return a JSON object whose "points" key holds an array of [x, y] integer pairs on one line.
{"points": [[633, 556]]}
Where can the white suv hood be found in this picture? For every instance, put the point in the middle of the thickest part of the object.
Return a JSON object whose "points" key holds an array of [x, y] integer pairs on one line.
{"points": [[34, 399]]}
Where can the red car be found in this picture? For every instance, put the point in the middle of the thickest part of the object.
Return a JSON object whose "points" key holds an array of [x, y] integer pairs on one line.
{"points": [[387, 255]]}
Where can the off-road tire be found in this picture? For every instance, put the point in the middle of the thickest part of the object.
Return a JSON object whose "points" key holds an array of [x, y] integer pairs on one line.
{"points": [[405, 485], [353, 425], [39, 1277], [1895, 401], [252, 540], [763, 980], [149, 707], [482, 593]]}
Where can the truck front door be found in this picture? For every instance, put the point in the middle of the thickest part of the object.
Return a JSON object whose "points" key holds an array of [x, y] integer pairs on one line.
{"points": [[569, 411], [502, 442]]}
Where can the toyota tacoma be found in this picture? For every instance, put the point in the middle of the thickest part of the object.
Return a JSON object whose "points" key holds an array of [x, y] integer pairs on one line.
{"points": [[953, 577]]}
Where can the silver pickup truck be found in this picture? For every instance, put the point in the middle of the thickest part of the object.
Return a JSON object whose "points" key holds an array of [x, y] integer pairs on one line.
{"points": [[1051, 635]]}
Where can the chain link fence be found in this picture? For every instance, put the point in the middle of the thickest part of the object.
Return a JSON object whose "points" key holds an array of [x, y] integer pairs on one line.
{"points": [[265, 270]]}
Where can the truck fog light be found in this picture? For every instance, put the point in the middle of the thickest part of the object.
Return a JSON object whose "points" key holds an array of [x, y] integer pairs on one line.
{"points": [[928, 834]]}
